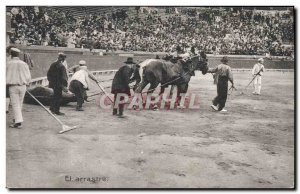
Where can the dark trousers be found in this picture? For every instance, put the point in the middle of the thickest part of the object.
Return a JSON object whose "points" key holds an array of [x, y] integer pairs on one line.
{"points": [[222, 89], [77, 88], [56, 99], [121, 106]]}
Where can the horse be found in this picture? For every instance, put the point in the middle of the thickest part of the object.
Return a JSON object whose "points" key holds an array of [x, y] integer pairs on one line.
{"points": [[167, 73]]}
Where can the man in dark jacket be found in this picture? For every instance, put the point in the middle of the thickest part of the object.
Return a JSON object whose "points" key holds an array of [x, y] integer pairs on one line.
{"points": [[223, 74], [120, 84], [58, 81]]}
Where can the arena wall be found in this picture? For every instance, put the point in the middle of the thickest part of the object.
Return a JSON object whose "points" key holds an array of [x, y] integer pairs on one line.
{"points": [[44, 56]]}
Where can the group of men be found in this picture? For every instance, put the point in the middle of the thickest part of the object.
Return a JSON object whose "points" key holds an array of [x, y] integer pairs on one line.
{"points": [[58, 80], [223, 74], [18, 76], [57, 76]]}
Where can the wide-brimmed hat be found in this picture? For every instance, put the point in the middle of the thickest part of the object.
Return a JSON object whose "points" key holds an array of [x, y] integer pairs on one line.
{"points": [[224, 59], [129, 61]]}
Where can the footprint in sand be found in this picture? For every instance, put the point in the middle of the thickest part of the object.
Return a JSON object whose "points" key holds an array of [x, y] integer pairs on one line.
{"points": [[180, 174], [224, 166], [139, 161]]}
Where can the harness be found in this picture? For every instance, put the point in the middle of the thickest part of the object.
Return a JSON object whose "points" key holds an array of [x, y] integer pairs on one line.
{"points": [[169, 82]]}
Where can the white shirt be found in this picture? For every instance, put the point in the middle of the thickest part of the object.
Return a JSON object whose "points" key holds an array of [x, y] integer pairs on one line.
{"points": [[17, 72], [257, 67], [82, 76]]}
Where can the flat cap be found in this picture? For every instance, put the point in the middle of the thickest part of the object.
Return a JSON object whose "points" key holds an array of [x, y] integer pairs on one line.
{"points": [[260, 59], [15, 50], [82, 62]]}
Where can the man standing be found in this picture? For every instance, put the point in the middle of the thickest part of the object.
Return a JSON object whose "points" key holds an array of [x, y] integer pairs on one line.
{"points": [[80, 83], [223, 74], [27, 59], [8, 58], [58, 81], [120, 84], [257, 72], [17, 77]]}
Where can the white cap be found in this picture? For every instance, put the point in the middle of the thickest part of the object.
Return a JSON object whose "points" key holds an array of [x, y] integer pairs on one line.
{"points": [[82, 62], [15, 50], [260, 59]]}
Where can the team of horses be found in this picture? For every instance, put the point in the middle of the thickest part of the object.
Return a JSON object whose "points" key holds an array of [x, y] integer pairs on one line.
{"points": [[168, 71]]}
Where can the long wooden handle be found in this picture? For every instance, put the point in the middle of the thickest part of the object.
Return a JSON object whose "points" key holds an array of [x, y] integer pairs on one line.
{"points": [[45, 108], [103, 90]]}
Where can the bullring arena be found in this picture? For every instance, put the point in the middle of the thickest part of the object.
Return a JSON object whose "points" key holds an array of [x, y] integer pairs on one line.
{"points": [[250, 146]]}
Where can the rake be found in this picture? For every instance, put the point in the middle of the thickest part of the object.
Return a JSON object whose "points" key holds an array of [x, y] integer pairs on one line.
{"points": [[230, 90], [103, 90], [242, 92], [65, 128]]}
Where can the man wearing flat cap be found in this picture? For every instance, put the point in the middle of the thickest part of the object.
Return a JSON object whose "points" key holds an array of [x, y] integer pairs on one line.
{"points": [[58, 81], [257, 72], [223, 74], [81, 63], [26, 58], [17, 77], [120, 85], [80, 83]]}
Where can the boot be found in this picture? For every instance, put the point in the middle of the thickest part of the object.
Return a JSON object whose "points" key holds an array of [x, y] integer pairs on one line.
{"points": [[16, 125], [115, 111], [121, 110], [79, 108]]}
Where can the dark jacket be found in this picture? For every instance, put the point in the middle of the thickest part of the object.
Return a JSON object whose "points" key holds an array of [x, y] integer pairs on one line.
{"points": [[57, 75], [122, 79]]}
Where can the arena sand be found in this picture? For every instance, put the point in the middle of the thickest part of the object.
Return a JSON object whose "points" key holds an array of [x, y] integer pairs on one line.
{"points": [[250, 146]]}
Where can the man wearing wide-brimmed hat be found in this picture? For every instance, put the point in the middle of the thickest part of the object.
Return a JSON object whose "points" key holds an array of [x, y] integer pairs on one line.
{"points": [[120, 84], [257, 71], [58, 81], [223, 75], [17, 77]]}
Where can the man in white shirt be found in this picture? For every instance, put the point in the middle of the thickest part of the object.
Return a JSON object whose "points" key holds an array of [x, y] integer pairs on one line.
{"points": [[8, 58], [79, 84], [17, 77], [257, 71]]}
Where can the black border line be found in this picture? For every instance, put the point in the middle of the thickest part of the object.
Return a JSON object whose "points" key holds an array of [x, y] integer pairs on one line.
{"points": [[192, 189]]}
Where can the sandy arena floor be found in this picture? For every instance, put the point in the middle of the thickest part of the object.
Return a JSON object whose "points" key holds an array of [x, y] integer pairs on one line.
{"points": [[251, 146]]}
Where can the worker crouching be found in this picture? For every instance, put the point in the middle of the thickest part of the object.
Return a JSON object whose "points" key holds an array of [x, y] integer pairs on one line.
{"points": [[79, 84]]}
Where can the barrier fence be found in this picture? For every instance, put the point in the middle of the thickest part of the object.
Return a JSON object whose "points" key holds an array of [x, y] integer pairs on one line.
{"points": [[42, 81]]}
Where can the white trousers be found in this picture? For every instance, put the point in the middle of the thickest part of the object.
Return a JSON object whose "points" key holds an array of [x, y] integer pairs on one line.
{"points": [[257, 84], [17, 94]]}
